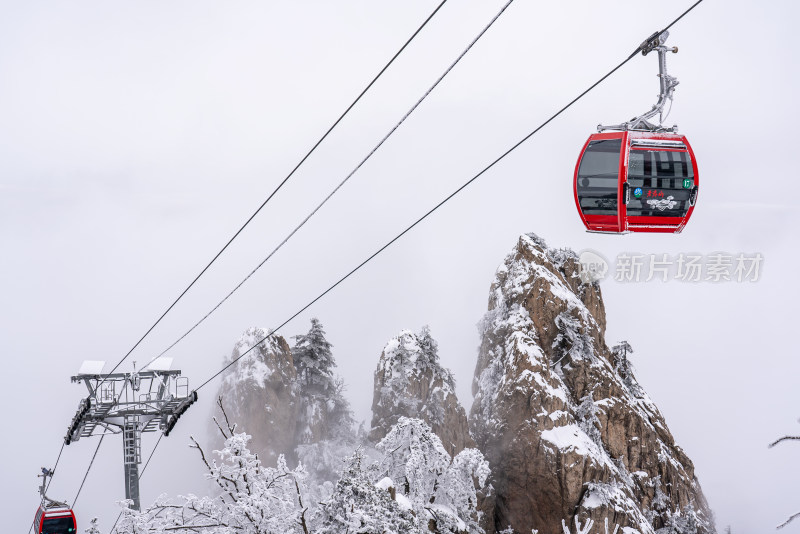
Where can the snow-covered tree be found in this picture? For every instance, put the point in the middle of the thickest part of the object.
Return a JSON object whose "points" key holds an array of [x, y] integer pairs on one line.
{"points": [[680, 521], [620, 352], [313, 360], [571, 343], [401, 365], [325, 412], [586, 414], [434, 410], [437, 493], [442, 491], [457, 490], [93, 528], [325, 433], [660, 502], [624, 367], [323, 460], [430, 349], [252, 499], [359, 506], [132, 521]]}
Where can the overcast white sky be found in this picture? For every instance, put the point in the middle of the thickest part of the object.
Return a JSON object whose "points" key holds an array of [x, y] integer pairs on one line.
{"points": [[136, 137]]}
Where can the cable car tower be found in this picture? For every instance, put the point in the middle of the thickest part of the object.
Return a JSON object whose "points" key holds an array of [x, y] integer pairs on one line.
{"points": [[151, 399]]}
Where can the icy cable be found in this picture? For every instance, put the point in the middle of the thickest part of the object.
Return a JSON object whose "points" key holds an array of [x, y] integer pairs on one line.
{"points": [[441, 203], [651, 41], [338, 187], [313, 148], [75, 500], [55, 467]]}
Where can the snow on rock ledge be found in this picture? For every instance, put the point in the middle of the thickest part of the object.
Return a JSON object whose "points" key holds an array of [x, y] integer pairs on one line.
{"points": [[565, 431]]}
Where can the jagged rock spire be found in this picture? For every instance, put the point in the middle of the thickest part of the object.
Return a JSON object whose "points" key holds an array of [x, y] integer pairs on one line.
{"points": [[565, 433], [410, 382]]}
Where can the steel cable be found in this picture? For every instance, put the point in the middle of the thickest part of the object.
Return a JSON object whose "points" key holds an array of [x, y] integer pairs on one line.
{"points": [[75, 500], [341, 184], [441, 203], [286, 179]]}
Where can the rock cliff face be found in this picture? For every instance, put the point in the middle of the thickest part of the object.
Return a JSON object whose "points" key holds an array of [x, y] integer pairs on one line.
{"points": [[260, 394], [565, 426], [410, 382]]}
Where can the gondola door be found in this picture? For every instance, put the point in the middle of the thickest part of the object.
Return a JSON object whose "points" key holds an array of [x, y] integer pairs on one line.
{"points": [[661, 183], [597, 184]]}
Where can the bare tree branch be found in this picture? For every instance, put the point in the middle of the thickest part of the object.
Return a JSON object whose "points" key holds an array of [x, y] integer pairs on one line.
{"points": [[211, 470], [200, 449], [232, 429], [302, 521], [272, 482], [224, 435], [784, 438], [792, 517]]}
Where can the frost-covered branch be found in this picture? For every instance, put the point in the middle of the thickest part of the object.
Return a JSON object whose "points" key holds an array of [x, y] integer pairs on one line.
{"points": [[302, 521], [616, 527], [578, 528], [791, 518], [571, 342], [231, 428], [779, 440], [211, 469]]}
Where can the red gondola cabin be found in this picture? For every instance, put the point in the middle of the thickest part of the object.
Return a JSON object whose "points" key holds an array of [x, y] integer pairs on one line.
{"points": [[55, 521], [633, 181]]}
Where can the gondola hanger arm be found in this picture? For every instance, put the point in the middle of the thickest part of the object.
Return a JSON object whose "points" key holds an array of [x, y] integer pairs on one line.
{"points": [[667, 84]]}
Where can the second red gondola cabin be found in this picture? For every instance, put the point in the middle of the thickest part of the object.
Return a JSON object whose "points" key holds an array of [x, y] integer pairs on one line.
{"points": [[55, 521]]}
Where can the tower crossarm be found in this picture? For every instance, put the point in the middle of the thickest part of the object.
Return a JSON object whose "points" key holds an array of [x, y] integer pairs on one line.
{"points": [[130, 404]]}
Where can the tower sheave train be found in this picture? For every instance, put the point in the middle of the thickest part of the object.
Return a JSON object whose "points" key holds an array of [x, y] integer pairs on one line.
{"points": [[150, 399]]}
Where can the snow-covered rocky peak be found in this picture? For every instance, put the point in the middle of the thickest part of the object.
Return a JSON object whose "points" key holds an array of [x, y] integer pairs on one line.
{"points": [[268, 361], [410, 382], [562, 420], [259, 393]]}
